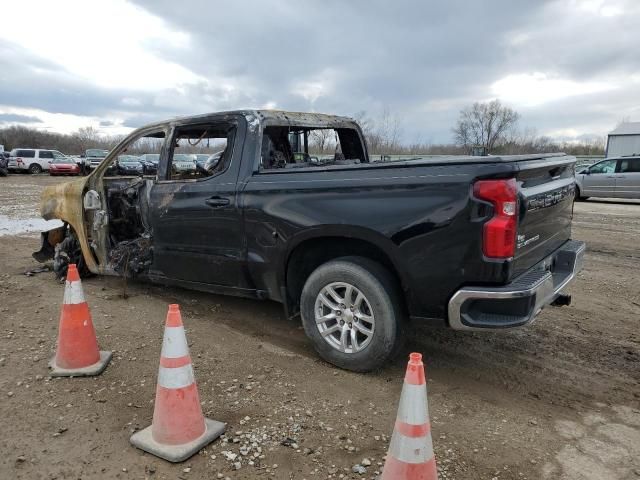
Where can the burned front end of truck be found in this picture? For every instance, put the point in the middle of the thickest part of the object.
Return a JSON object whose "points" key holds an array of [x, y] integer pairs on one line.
{"points": [[111, 217]]}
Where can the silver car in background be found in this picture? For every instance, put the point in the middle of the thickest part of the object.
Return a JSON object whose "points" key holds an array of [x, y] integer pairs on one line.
{"points": [[617, 177]]}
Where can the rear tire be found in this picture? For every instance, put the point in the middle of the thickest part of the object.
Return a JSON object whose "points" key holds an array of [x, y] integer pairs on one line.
{"points": [[34, 168], [380, 312]]}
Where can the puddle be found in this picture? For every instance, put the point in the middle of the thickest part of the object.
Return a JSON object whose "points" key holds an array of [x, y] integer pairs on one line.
{"points": [[16, 226]]}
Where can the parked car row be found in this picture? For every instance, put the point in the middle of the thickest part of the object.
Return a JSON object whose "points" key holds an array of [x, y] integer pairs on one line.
{"points": [[37, 160], [612, 177]]}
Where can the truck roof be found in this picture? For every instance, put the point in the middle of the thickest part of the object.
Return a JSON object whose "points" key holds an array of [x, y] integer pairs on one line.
{"points": [[267, 116]]}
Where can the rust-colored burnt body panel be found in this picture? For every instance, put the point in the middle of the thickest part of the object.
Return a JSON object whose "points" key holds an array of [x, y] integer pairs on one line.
{"points": [[64, 202]]}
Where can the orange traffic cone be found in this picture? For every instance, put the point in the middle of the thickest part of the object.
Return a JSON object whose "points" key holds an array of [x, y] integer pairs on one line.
{"points": [[410, 455], [179, 429], [77, 353]]}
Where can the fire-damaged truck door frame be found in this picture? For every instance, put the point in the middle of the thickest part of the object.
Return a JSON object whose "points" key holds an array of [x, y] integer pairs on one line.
{"points": [[198, 237]]}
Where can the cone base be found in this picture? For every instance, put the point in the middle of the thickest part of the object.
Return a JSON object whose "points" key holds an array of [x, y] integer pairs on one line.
{"points": [[177, 453], [95, 369]]}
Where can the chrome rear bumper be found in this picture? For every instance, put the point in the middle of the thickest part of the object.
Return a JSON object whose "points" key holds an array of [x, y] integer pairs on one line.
{"points": [[518, 303]]}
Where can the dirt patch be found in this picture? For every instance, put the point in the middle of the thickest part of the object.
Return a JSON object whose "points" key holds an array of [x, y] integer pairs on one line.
{"points": [[556, 400]]}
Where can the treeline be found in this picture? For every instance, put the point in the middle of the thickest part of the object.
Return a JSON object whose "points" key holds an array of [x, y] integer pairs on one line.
{"points": [[544, 144], [383, 136], [72, 144]]}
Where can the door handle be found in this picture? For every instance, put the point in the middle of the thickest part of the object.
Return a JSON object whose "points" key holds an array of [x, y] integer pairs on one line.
{"points": [[216, 202]]}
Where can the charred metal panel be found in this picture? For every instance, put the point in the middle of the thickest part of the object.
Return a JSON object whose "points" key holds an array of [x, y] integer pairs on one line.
{"points": [[64, 201], [198, 233]]}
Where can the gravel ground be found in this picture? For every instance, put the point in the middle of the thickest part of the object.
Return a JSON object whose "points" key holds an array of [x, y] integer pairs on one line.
{"points": [[559, 399]]}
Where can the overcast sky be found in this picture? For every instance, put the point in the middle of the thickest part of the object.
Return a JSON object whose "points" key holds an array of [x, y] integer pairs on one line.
{"points": [[571, 68]]}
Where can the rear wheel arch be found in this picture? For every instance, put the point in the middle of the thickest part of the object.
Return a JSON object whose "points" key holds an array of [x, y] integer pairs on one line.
{"points": [[309, 254]]}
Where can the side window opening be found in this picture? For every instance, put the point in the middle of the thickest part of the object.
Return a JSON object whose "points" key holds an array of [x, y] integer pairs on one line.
{"points": [[26, 153], [631, 165], [608, 166], [140, 157], [296, 147], [200, 151]]}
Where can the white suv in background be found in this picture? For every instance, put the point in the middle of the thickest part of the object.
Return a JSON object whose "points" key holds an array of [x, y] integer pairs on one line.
{"points": [[35, 160]]}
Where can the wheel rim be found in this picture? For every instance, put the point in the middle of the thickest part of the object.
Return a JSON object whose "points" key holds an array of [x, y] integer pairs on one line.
{"points": [[34, 169], [344, 317]]}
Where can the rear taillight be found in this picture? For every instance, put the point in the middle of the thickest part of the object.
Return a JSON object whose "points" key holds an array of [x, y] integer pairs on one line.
{"points": [[499, 233]]}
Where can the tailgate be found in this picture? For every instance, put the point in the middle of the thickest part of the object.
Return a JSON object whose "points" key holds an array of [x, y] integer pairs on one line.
{"points": [[546, 193]]}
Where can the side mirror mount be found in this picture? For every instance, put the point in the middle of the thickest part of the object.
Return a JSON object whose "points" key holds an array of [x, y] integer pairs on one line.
{"points": [[91, 200]]}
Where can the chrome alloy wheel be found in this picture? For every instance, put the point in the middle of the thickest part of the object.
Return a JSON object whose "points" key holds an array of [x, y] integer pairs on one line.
{"points": [[344, 317]]}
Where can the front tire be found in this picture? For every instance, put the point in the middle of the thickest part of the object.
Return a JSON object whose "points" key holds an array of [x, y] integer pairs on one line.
{"points": [[352, 311]]}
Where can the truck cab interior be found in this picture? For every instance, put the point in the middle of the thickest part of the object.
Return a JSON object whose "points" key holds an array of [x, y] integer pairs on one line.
{"points": [[284, 146]]}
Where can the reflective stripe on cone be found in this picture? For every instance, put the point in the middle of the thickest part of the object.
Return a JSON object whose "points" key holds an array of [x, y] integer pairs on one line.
{"points": [[73, 293], [174, 343], [411, 449], [413, 407]]}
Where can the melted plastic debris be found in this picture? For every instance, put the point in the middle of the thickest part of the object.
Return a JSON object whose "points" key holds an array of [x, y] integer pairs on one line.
{"points": [[132, 257]]}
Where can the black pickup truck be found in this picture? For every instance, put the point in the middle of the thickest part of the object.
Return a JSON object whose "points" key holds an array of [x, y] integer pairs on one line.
{"points": [[291, 209]]}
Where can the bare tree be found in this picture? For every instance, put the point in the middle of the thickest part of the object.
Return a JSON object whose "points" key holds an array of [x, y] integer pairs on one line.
{"points": [[320, 139], [86, 137], [383, 136], [485, 124]]}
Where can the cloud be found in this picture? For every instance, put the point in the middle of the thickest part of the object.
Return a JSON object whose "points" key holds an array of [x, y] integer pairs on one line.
{"points": [[15, 118], [119, 56], [563, 64], [529, 89]]}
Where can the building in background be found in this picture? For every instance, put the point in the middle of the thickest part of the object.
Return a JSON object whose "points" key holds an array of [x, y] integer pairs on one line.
{"points": [[624, 140]]}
